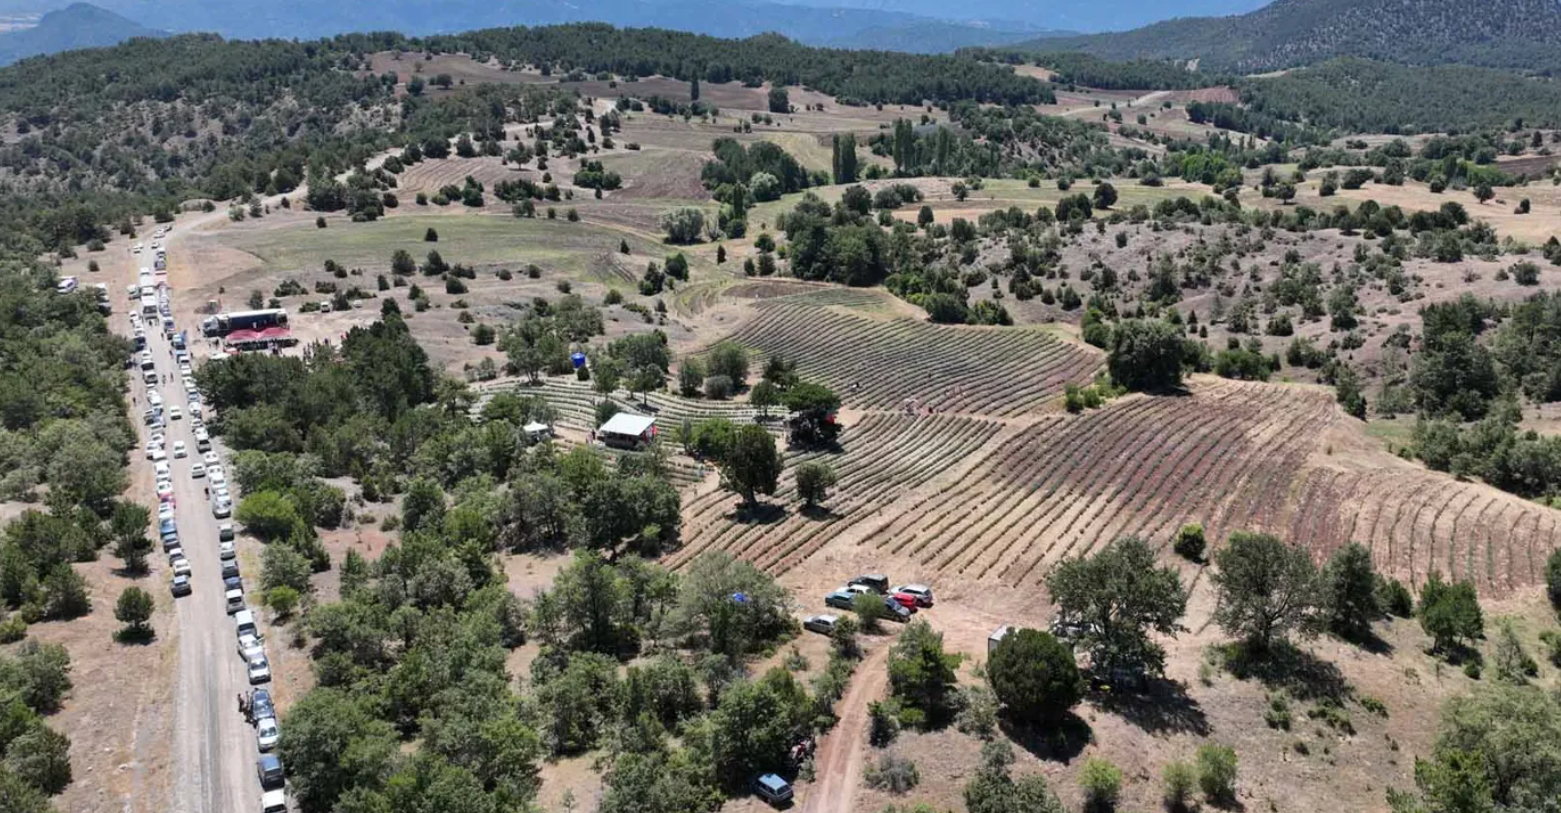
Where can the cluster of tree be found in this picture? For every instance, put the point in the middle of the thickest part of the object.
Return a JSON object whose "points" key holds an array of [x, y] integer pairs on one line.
{"points": [[872, 77], [575, 499], [1359, 95], [541, 340], [1250, 120], [34, 758]]}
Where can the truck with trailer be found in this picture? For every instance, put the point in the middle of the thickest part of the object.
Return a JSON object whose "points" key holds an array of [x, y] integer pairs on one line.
{"points": [[224, 323]]}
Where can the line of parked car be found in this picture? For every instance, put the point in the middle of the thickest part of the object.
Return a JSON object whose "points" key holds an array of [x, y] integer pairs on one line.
{"points": [[257, 705], [900, 603]]}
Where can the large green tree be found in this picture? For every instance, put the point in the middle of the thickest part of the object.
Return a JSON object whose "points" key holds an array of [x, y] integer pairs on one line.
{"points": [[1034, 676], [1111, 603], [1267, 589], [752, 464], [1146, 355]]}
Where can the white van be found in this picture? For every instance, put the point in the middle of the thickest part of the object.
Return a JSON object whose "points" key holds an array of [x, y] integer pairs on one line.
{"points": [[235, 599], [244, 624], [273, 801]]}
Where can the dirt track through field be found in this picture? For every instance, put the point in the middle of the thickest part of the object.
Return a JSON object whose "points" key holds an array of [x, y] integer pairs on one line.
{"points": [[843, 751]]}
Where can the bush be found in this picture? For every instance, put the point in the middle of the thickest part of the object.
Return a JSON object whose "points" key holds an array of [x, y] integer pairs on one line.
{"points": [[283, 600], [869, 608], [1102, 785], [1553, 578], [1034, 676], [814, 479], [1394, 598], [1190, 543], [13, 629], [1179, 778], [134, 610], [893, 773], [1217, 773], [718, 387]]}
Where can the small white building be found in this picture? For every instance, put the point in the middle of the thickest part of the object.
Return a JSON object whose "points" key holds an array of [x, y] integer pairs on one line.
{"points": [[997, 637], [627, 431]]}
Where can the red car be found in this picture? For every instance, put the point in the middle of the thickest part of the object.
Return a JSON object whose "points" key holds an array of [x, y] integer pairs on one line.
{"points": [[905, 600]]}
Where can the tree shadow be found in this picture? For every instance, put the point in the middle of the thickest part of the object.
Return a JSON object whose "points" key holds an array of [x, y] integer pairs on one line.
{"points": [[1162, 707], [818, 513], [764, 513], [134, 574], [1286, 666], [1060, 741], [136, 637], [1369, 641]]}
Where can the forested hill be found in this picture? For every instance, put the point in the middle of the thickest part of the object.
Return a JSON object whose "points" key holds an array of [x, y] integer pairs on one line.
{"points": [[143, 125], [1514, 34], [80, 25]]}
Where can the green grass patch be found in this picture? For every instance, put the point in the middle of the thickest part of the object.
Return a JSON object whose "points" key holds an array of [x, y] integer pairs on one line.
{"points": [[575, 249]]}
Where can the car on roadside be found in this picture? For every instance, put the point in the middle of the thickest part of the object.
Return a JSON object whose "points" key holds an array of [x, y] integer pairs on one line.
{"points": [[266, 734], [181, 585], [225, 551], [168, 525], [273, 801], [234, 600], [157, 455], [216, 475], [859, 590], [259, 670], [229, 568], [225, 532], [210, 459], [222, 509], [895, 611], [773, 789], [921, 592], [164, 512], [269, 770], [171, 543], [260, 705], [175, 413], [152, 448], [181, 566], [905, 600], [178, 448], [841, 599], [174, 552], [164, 490], [822, 624], [197, 471], [249, 648]]}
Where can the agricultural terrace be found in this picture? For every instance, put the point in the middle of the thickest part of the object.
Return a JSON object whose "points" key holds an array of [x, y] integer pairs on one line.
{"points": [[574, 403], [882, 363], [883, 459], [1416, 521], [1223, 456]]}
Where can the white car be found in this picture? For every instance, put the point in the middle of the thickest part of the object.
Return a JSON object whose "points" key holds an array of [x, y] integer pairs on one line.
{"points": [[210, 459], [154, 398], [202, 434], [222, 510], [250, 648], [259, 670], [221, 494], [175, 413], [181, 565], [164, 511], [178, 448], [164, 490], [225, 550], [151, 448], [157, 439], [175, 554], [157, 455], [160, 468], [217, 475], [197, 471], [266, 734]]}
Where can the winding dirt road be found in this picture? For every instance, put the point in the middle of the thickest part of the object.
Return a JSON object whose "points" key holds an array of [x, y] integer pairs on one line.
{"points": [[842, 752]]}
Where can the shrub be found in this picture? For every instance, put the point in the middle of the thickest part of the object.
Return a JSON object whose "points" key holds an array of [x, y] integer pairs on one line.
{"points": [[1190, 543], [134, 610], [893, 773], [814, 479], [283, 600], [1394, 598], [1034, 676], [1217, 773], [1179, 778], [1553, 578], [869, 608], [1101, 782], [718, 387], [13, 629]]}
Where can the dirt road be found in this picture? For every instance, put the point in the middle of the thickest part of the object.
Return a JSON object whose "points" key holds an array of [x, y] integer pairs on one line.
{"points": [[214, 749], [843, 751]]}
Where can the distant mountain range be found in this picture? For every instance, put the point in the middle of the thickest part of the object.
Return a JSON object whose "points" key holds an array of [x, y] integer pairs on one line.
{"points": [[822, 25], [80, 25], [1515, 34]]}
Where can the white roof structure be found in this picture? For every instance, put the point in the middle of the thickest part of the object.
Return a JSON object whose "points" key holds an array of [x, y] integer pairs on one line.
{"points": [[535, 426], [626, 424]]}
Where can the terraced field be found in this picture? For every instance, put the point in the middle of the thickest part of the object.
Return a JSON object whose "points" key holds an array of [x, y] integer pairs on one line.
{"points": [[575, 403], [881, 363], [1415, 521], [885, 457], [1223, 456]]}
